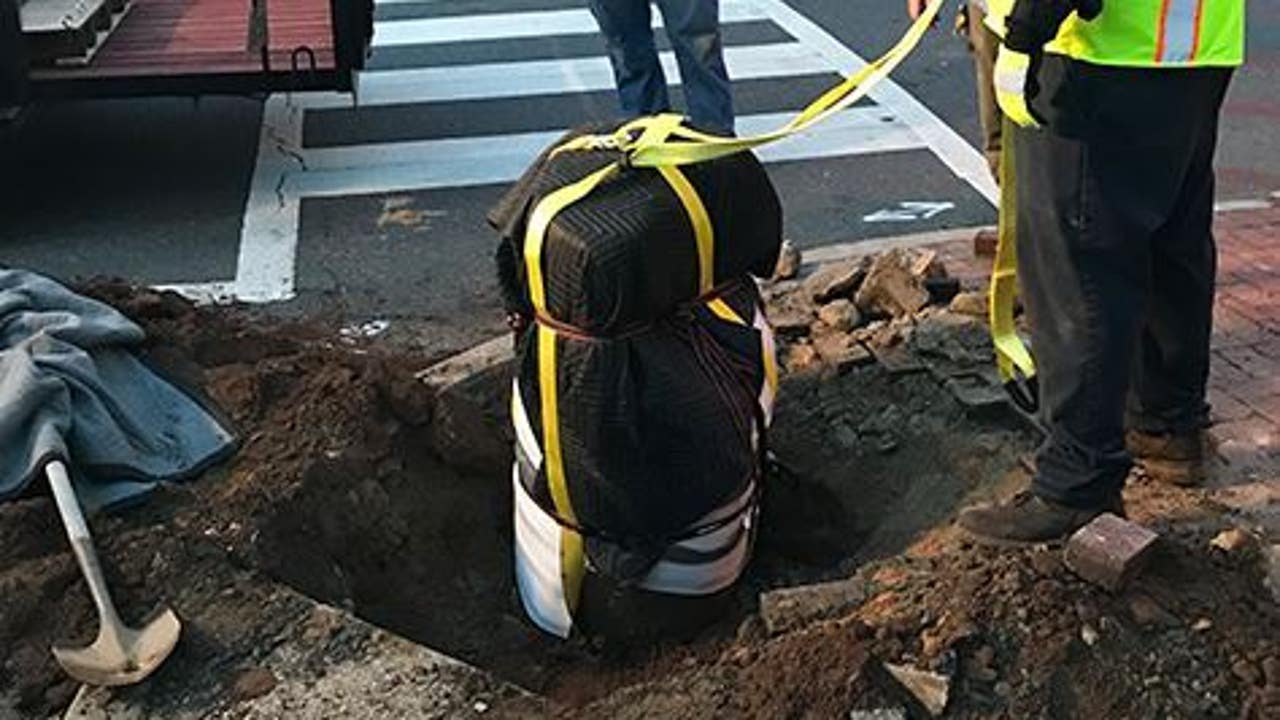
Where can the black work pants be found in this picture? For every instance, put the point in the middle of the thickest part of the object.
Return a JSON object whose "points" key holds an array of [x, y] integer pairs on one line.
{"points": [[1116, 258]]}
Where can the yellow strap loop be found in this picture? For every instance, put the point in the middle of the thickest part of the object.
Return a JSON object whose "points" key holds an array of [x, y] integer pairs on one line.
{"points": [[1012, 356], [536, 231], [703, 234], [683, 146], [663, 142], [723, 311], [572, 557]]}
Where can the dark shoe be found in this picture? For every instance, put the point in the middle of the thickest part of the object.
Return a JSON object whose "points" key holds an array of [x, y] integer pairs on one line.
{"points": [[1176, 458], [1027, 519]]}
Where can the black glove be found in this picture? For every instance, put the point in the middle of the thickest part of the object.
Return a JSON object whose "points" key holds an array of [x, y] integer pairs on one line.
{"points": [[1032, 23]]}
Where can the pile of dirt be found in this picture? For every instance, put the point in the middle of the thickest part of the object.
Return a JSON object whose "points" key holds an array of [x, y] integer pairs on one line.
{"points": [[336, 490], [343, 490]]}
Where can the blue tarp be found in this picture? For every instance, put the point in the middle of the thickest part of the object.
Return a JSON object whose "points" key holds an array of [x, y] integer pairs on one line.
{"points": [[71, 387]]}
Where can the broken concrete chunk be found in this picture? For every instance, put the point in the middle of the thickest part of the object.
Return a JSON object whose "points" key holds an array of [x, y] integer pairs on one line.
{"points": [[894, 285], [976, 395], [898, 360], [1109, 551], [801, 358], [1089, 635], [790, 321], [1246, 672], [1231, 540], [252, 684], [1148, 613], [973, 304], [790, 608], [840, 315], [495, 355], [926, 265], [471, 401], [789, 260], [931, 689], [841, 351], [838, 280]]}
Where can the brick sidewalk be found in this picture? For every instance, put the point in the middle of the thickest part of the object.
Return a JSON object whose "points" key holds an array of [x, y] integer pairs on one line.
{"points": [[1244, 386]]}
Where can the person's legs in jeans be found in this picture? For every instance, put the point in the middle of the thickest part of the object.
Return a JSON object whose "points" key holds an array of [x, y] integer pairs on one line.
{"points": [[983, 44], [694, 29], [628, 33]]}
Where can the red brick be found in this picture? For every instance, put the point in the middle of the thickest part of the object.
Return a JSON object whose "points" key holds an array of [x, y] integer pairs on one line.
{"points": [[1229, 277], [1227, 407], [1268, 406], [1249, 293], [1255, 306], [1256, 238], [1252, 392], [1249, 360], [1109, 551], [1244, 441], [1231, 328], [1223, 373], [1271, 349]]}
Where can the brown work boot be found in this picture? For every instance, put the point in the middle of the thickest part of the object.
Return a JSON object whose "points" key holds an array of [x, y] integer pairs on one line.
{"points": [[1027, 519], [1176, 458]]}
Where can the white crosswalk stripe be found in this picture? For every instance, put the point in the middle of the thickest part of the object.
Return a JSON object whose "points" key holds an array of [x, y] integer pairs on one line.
{"points": [[289, 171], [506, 26], [464, 162], [456, 83]]}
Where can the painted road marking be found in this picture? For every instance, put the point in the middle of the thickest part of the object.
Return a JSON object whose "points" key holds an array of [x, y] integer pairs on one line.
{"points": [[464, 162], [962, 158], [286, 171], [507, 26], [909, 211]]}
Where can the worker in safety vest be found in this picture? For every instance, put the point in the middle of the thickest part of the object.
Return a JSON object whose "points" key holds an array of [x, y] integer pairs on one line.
{"points": [[693, 26], [1114, 118]]}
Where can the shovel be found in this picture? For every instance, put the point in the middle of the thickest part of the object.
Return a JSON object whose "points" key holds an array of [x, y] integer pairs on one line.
{"points": [[121, 655]]}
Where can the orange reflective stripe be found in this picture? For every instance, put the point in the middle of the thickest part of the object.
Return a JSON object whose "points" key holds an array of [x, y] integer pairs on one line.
{"points": [[1160, 29]]}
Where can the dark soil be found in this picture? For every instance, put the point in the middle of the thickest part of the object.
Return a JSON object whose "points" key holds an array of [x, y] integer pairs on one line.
{"points": [[341, 491]]}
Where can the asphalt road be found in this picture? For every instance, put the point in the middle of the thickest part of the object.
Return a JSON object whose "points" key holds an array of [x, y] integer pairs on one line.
{"points": [[378, 212]]}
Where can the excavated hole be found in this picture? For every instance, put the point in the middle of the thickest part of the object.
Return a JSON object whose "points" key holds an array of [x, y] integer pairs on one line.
{"points": [[422, 548]]}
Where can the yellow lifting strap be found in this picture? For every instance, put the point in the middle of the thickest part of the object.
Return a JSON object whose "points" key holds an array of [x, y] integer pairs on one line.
{"points": [[660, 142], [1017, 368], [678, 145], [572, 544]]}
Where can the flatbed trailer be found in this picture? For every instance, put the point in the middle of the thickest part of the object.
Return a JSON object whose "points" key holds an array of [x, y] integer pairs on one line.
{"points": [[60, 49]]}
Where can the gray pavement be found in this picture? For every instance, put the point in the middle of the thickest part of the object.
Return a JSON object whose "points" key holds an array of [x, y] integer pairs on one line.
{"points": [[383, 205]]}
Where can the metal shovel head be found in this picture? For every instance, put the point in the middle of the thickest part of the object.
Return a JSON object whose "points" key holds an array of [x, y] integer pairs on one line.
{"points": [[124, 656]]}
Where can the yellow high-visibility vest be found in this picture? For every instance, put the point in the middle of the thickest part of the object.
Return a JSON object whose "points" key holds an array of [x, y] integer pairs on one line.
{"points": [[1148, 33]]}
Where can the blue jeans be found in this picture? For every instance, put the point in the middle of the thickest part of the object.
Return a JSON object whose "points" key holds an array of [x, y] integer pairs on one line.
{"points": [[694, 29]]}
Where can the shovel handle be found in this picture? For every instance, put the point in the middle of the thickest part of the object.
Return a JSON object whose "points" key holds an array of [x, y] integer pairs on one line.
{"points": [[81, 541]]}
